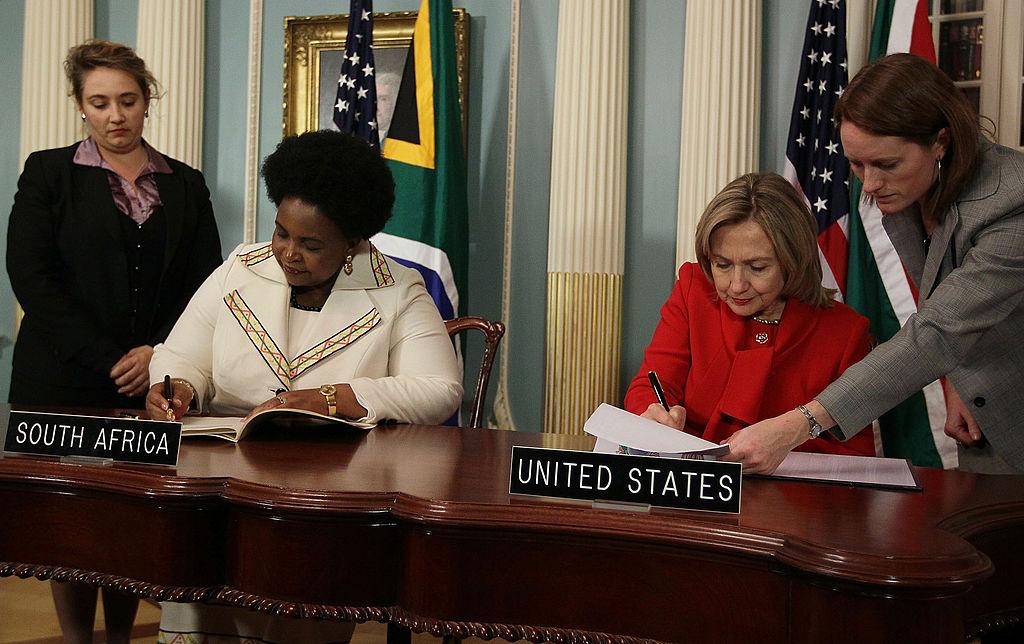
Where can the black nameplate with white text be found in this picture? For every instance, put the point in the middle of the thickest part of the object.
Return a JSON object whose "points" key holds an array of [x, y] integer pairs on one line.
{"points": [[127, 440], [665, 482]]}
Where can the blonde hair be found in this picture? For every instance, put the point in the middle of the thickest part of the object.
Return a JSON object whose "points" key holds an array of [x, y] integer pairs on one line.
{"points": [[95, 53], [775, 205]]}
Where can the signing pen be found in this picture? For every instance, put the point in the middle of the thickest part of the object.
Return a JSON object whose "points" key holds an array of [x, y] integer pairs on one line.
{"points": [[169, 395], [658, 391]]}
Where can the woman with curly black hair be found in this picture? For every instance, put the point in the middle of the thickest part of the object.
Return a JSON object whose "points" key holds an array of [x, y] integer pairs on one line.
{"points": [[317, 315], [316, 319]]}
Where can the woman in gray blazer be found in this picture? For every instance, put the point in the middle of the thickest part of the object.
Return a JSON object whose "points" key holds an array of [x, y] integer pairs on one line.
{"points": [[953, 206]]}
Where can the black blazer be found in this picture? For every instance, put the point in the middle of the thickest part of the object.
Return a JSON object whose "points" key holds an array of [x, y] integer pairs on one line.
{"points": [[69, 269]]}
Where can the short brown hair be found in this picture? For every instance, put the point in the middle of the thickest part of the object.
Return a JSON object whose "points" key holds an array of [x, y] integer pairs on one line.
{"points": [[908, 97], [93, 54], [776, 206]]}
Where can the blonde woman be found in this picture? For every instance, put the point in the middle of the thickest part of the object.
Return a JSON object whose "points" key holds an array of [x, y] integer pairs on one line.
{"points": [[748, 331]]}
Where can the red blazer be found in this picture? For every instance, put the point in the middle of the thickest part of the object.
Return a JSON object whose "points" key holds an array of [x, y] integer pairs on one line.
{"points": [[709, 362]]}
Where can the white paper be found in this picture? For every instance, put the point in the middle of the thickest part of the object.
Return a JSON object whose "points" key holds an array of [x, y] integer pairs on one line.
{"points": [[859, 470], [234, 428], [614, 427], [196, 423]]}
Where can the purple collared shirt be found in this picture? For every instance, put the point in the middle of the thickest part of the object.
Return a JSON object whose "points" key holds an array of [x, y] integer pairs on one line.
{"points": [[137, 200]]}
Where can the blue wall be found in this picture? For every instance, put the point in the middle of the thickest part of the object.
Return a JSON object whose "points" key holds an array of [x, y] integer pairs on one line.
{"points": [[116, 20], [783, 32], [655, 85], [538, 36], [12, 18], [652, 181], [224, 129]]}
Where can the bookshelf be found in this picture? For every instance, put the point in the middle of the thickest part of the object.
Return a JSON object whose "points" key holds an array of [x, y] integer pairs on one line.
{"points": [[1011, 113], [979, 44]]}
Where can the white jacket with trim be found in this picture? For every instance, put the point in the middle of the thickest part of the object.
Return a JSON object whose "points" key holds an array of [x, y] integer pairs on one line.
{"points": [[379, 331]]}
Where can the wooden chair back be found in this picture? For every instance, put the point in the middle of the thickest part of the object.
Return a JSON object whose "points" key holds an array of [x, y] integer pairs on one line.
{"points": [[492, 332]]}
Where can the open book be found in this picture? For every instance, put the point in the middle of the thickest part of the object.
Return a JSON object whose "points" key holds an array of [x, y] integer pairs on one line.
{"points": [[234, 428]]}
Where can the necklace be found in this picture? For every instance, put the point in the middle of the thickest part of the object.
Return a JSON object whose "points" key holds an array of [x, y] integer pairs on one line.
{"points": [[302, 307], [298, 290], [764, 321]]}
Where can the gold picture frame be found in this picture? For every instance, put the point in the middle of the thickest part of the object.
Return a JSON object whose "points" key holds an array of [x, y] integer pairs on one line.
{"points": [[313, 46]]}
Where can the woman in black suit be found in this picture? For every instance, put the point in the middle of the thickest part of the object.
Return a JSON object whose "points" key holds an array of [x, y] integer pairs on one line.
{"points": [[108, 240]]}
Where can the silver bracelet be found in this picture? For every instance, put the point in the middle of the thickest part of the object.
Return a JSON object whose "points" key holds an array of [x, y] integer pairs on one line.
{"points": [[814, 429]]}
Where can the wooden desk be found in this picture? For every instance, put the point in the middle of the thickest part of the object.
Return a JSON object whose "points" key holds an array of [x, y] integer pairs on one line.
{"points": [[413, 525]]}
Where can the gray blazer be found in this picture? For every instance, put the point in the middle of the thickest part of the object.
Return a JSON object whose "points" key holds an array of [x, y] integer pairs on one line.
{"points": [[969, 326]]}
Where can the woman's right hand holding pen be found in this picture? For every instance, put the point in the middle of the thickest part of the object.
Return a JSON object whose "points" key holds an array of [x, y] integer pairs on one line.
{"points": [[157, 404], [674, 417], [660, 411]]}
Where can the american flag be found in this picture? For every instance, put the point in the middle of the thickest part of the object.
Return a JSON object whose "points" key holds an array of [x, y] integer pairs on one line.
{"points": [[815, 161], [355, 110]]}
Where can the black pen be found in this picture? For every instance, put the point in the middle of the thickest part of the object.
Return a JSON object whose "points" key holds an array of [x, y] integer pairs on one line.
{"points": [[658, 391], [169, 395]]}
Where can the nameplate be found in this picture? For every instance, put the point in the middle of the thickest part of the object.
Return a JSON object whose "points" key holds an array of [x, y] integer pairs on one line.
{"points": [[664, 482], [126, 440]]}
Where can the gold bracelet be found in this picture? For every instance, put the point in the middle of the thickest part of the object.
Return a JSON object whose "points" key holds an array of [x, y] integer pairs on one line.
{"points": [[188, 385]]}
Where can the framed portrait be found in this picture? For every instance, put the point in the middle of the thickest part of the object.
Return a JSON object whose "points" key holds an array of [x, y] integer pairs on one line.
{"points": [[313, 49]]}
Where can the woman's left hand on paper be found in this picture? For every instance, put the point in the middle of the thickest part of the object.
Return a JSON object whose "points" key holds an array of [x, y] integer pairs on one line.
{"points": [[308, 399], [761, 447]]}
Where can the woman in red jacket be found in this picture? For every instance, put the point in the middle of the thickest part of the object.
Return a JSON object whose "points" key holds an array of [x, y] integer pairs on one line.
{"points": [[749, 332]]}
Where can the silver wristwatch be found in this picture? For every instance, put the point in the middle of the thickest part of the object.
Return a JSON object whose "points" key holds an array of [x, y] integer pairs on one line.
{"points": [[814, 428]]}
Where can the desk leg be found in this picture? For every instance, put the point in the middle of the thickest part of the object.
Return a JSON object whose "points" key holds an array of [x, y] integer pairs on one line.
{"points": [[399, 634]]}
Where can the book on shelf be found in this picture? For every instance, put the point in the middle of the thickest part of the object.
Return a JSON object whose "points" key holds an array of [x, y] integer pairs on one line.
{"points": [[960, 49], [235, 428]]}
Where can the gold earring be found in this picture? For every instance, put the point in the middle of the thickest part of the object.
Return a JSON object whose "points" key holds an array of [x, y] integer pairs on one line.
{"points": [[347, 266]]}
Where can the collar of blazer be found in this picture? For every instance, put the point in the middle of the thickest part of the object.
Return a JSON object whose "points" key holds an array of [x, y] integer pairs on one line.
{"points": [[798, 320], [961, 214], [370, 268], [94, 196], [906, 231], [985, 181], [262, 313], [749, 376]]}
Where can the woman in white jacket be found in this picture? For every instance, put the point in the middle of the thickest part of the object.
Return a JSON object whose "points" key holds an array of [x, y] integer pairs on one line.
{"points": [[317, 319]]}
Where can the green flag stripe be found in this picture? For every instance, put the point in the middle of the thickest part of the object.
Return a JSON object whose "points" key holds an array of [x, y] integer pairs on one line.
{"points": [[905, 430], [431, 204], [880, 30]]}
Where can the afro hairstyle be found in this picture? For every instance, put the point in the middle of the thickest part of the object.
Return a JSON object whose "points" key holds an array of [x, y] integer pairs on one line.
{"points": [[341, 176]]}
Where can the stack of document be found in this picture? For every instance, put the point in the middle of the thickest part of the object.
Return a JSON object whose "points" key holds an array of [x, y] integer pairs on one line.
{"points": [[621, 432]]}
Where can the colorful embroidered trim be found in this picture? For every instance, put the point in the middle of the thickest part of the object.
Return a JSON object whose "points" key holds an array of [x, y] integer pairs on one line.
{"points": [[258, 335], [274, 357], [336, 342], [256, 256], [381, 271]]}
